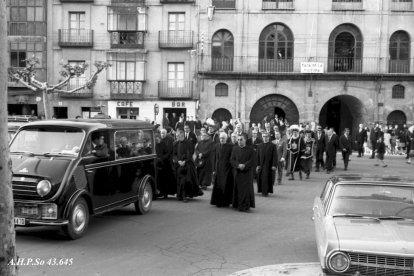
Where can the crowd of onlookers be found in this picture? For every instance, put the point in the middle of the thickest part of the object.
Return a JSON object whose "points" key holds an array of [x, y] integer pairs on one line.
{"points": [[194, 155]]}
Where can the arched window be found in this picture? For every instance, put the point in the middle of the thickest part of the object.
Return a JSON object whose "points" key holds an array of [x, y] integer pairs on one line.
{"points": [[398, 91], [222, 51], [222, 90], [345, 49], [276, 49], [400, 52]]}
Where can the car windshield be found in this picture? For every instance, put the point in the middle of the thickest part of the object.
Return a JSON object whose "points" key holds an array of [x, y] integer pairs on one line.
{"points": [[48, 141], [380, 201]]}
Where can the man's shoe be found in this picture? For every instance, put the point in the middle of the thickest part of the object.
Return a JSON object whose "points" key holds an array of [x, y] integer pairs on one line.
{"points": [[385, 166], [376, 165], [317, 170]]}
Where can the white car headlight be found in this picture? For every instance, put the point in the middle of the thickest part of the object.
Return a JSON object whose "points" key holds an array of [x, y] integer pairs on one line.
{"points": [[44, 187], [339, 262]]}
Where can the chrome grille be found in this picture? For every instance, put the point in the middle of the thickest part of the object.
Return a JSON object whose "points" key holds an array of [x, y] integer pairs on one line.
{"points": [[25, 187], [380, 265]]}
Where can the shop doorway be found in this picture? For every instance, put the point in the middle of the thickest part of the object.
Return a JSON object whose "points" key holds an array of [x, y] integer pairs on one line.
{"points": [[60, 112], [178, 112], [221, 115], [274, 104], [397, 117], [22, 109]]}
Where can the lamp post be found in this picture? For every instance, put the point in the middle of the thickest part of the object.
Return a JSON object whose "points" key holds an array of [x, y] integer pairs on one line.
{"points": [[156, 111], [210, 11]]}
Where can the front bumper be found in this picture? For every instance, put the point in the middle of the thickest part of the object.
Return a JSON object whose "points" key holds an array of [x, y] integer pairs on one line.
{"points": [[34, 222]]}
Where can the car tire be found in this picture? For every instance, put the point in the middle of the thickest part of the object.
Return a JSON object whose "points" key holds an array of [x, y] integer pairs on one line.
{"points": [[78, 220], [144, 202]]}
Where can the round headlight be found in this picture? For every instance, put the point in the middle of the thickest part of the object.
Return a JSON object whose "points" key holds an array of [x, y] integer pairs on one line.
{"points": [[44, 187], [339, 262]]}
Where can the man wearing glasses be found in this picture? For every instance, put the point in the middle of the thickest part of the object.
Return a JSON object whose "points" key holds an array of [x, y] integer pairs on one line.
{"points": [[242, 162]]}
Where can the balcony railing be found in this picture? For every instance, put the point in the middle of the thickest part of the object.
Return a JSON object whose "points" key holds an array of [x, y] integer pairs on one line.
{"points": [[76, 1], [124, 90], [278, 5], [176, 1], [368, 65], [175, 39], [127, 2], [27, 28], [401, 5], [175, 89], [76, 38], [127, 40], [76, 83], [40, 74], [224, 4], [347, 5]]}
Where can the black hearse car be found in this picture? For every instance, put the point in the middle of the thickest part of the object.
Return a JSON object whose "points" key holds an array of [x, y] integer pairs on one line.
{"points": [[66, 170]]}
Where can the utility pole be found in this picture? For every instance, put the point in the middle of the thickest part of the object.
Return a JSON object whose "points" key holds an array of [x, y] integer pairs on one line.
{"points": [[7, 233]]}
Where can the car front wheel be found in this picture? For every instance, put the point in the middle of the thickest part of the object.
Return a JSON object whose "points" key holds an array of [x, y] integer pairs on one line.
{"points": [[144, 202], [78, 220]]}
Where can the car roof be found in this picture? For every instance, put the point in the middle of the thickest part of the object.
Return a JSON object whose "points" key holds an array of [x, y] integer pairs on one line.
{"points": [[371, 179], [93, 124]]}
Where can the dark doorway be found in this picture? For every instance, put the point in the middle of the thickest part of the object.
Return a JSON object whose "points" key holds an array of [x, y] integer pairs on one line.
{"points": [[342, 112], [60, 112], [221, 115], [280, 113], [178, 112], [397, 117], [22, 109]]}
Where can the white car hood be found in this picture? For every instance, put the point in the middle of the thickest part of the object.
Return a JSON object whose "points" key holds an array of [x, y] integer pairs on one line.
{"points": [[367, 235]]}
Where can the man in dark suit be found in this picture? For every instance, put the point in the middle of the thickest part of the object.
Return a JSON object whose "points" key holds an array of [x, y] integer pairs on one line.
{"points": [[331, 146], [319, 148], [254, 141], [281, 156], [99, 148], [345, 145], [361, 138], [373, 139], [190, 137]]}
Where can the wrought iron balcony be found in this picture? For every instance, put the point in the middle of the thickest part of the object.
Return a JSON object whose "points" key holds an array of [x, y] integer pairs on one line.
{"points": [[76, 38], [176, 1], [175, 39], [347, 5], [76, 83], [175, 89], [126, 90], [224, 4], [127, 40], [401, 5], [27, 28], [334, 65], [278, 4]]}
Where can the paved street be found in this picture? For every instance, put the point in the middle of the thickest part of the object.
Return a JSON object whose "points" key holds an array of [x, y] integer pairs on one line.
{"points": [[194, 238]]}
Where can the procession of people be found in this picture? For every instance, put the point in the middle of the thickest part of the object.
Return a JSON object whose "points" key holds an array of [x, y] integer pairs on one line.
{"points": [[193, 156]]}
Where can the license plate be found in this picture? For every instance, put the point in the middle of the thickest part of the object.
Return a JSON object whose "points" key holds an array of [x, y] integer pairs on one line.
{"points": [[29, 211], [19, 221]]}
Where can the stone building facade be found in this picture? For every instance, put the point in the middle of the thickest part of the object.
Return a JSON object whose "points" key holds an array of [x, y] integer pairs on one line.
{"points": [[335, 62]]}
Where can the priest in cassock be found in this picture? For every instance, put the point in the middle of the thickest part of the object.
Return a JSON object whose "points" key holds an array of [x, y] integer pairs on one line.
{"points": [[242, 163], [165, 173], [222, 172], [295, 148], [266, 165], [204, 163], [187, 182]]}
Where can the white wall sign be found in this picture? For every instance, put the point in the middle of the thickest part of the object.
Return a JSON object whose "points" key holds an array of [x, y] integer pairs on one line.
{"points": [[311, 67]]}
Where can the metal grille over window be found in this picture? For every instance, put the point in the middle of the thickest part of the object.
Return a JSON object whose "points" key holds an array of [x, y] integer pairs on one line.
{"points": [[398, 91]]}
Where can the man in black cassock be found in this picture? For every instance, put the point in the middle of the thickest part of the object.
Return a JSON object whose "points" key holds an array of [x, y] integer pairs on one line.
{"points": [[204, 163], [165, 174], [242, 161], [266, 165], [222, 171], [187, 182]]}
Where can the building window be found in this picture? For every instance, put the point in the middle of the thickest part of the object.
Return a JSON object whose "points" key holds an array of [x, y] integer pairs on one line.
{"points": [[400, 52], [75, 81], [345, 49], [222, 51], [90, 112], [277, 4], [398, 91], [176, 21], [276, 49], [224, 4], [127, 113], [27, 17], [175, 75], [222, 90], [20, 51], [126, 66], [127, 18]]}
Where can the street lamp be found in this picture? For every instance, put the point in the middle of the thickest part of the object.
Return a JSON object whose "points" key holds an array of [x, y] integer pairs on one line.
{"points": [[210, 11], [156, 111]]}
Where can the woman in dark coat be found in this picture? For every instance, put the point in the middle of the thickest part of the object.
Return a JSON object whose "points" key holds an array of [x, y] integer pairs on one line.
{"points": [[223, 187]]}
